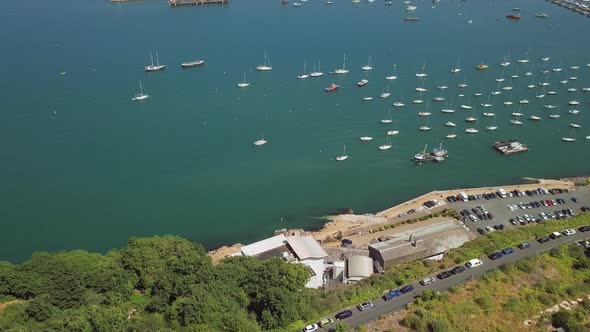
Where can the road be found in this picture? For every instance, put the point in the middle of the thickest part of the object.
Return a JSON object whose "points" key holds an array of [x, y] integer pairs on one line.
{"points": [[382, 307]]}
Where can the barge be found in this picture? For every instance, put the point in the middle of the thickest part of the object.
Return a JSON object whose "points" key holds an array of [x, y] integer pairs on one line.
{"points": [[510, 147], [192, 63]]}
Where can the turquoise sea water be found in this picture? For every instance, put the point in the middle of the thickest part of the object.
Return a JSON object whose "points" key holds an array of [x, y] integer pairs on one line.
{"points": [[82, 166]]}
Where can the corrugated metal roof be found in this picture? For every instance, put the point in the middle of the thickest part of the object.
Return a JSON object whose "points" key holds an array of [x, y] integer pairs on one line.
{"points": [[306, 247], [360, 267], [264, 245]]}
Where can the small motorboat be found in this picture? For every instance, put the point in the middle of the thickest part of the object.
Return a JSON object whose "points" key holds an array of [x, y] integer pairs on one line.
{"points": [[516, 122], [524, 101], [392, 132], [554, 116], [425, 128], [470, 119], [488, 114], [471, 131], [482, 66], [542, 15], [486, 105], [332, 87], [466, 107], [417, 101], [363, 82], [447, 110], [534, 118], [424, 113], [366, 138], [367, 98], [450, 124], [545, 59], [399, 104], [573, 111], [451, 136], [517, 114], [477, 94], [573, 102]]}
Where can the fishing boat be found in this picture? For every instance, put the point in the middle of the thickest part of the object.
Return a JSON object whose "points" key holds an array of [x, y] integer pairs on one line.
{"points": [[304, 75], [343, 156], [140, 96], [192, 64], [342, 70], [437, 154], [243, 84], [154, 67], [482, 66], [387, 144], [366, 138], [450, 124], [368, 66], [363, 82], [266, 66], [261, 141], [332, 87]]}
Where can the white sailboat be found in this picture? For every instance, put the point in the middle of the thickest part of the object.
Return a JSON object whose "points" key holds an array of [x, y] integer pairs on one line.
{"points": [[368, 66], [388, 120], [387, 144], [492, 126], [266, 66], [343, 156], [304, 75], [572, 137], [261, 141], [422, 74], [393, 132], [342, 70], [243, 84], [317, 73], [140, 96], [366, 138], [154, 67], [451, 134], [386, 93], [393, 76], [425, 127]]}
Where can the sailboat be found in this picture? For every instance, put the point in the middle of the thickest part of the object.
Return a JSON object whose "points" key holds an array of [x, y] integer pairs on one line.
{"points": [[368, 66], [342, 70], [317, 73], [393, 132], [440, 97], [400, 103], [575, 125], [425, 127], [304, 75], [244, 84], [493, 126], [141, 95], [516, 121], [451, 134], [450, 124], [343, 156], [366, 138], [266, 66], [572, 138], [554, 116], [456, 69], [422, 73], [386, 93], [392, 77], [389, 120], [509, 101], [157, 66], [261, 141], [387, 144], [471, 130]]}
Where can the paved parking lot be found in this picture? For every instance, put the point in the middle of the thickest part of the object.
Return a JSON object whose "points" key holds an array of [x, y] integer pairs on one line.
{"points": [[502, 215]]}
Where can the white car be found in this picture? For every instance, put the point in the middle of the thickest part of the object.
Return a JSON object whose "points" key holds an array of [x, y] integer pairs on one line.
{"points": [[474, 263], [310, 328], [569, 232], [489, 229]]}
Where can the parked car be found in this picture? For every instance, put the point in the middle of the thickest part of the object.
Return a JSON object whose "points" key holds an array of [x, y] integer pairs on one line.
{"points": [[387, 297], [458, 269], [507, 251], [569, 232], [584, 228], [427, 281], [395, 292], [524, 245], [499, 227], [411, 211], [489, 229], [482, 232], [406, 289], [343, 314], [543, 239], [575, 200], [495, 255], [310, 328], [474, 263], [444, 275], [555, 235], [326, 321], [365, 306]]}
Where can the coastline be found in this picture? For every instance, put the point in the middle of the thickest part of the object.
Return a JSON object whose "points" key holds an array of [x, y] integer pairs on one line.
{"points": [[344, 225]]}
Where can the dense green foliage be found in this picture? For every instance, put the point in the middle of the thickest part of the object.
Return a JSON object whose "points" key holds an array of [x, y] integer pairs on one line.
{"points": [[158, 283]]}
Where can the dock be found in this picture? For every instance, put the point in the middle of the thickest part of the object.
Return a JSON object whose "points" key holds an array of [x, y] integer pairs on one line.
{"points": [[578, 6], [176, 3], [510, 147]]}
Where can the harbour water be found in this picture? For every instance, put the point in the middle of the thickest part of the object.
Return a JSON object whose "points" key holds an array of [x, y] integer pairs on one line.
{"points": [[85, 167]]}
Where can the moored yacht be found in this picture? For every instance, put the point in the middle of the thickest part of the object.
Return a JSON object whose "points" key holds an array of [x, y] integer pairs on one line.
{"points": [[140, 96], [368, 66], [266, 66], [154, 67], [342, 70]]}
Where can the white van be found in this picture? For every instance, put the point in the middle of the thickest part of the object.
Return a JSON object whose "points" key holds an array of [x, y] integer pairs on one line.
{"points": [[474, 263]]}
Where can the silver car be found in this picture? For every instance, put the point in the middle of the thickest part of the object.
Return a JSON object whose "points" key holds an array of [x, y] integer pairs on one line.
{"points": [[365, 305], [427, 281]]}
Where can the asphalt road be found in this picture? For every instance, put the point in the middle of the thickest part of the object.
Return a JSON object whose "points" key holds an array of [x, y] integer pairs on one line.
{"points": [[382, 307]]}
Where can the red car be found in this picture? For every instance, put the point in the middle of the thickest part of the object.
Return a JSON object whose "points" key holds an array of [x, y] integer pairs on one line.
{"points": [[549, 202]]}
